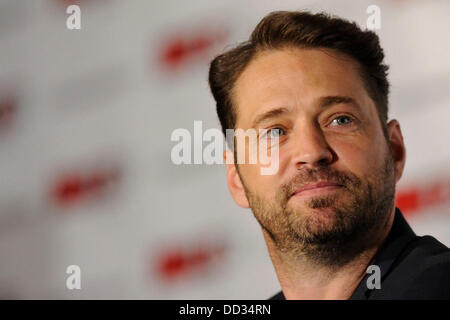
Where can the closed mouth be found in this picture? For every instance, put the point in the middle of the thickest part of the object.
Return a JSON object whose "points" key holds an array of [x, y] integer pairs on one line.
{"points": [[321, 184]]}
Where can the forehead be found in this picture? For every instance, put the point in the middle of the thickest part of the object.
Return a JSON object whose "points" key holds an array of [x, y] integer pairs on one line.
{"points": [[295, 78]]}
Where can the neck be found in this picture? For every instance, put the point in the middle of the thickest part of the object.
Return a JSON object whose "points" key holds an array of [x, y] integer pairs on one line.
{"points": [[302, 278]]}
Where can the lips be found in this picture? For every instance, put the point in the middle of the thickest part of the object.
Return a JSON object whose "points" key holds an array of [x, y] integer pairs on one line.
{"points": [[316, 185]]}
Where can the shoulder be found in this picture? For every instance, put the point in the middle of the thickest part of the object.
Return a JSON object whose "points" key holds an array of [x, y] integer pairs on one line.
{"points": [[425, 253], [422, 271], [278, 296]]}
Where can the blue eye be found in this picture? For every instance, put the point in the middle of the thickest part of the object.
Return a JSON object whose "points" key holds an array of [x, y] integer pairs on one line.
{"points": [[275, 132], [342, 123]]}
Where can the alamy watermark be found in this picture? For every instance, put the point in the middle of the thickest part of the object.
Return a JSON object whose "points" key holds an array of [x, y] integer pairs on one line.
{"points": [[74, 280], [73, 21], [253, 147], [373, 22], [374, 280]]}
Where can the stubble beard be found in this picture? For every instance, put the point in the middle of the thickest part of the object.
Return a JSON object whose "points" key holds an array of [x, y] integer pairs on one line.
{"points": [[328, 230]]}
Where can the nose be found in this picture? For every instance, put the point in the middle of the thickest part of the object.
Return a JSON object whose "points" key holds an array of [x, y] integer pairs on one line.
{"points": [[311, 148]]}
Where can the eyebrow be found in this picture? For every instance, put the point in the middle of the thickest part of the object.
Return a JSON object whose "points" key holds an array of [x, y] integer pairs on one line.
{"points": [[332, 100], [269, 115], [324, 102]]}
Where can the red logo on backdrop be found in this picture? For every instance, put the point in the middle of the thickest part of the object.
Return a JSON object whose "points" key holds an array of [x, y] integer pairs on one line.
{"points": [[76, 187], [181, 49], [179, 262], [8, 108], [415, 198]]}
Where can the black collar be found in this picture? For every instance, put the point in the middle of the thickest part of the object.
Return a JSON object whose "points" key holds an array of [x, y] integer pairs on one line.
{"points": [[399, 237]]}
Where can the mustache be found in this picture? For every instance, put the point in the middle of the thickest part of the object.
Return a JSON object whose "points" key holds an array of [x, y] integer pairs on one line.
{"points": [[308, 176]]}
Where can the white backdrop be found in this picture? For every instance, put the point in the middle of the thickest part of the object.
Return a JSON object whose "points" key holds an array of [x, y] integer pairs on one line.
{"points": [[85, 122]]}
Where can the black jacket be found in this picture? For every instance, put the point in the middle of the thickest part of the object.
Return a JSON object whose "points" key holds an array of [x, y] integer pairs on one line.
{"points": [[412, 267]]}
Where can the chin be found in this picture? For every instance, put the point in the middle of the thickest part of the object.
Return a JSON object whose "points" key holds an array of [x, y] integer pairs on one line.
{"points": [[314, 219]]}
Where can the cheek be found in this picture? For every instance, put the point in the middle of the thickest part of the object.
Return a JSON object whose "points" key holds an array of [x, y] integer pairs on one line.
{"points": [[361, 158], [264, 186]]}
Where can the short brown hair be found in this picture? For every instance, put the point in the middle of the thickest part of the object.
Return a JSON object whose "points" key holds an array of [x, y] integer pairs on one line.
{"points": [[281, 29]]}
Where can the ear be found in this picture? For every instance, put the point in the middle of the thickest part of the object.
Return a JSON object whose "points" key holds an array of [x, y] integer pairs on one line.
{"points": [[234, 181], [398, 147]]}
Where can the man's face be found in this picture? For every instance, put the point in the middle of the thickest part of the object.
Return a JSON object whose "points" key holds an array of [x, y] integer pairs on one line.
{"points": [[329, 131]]}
